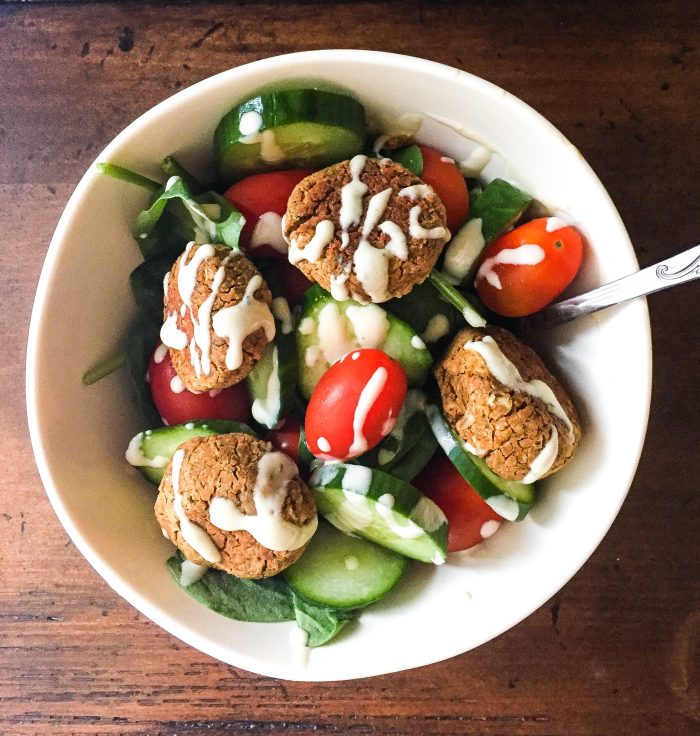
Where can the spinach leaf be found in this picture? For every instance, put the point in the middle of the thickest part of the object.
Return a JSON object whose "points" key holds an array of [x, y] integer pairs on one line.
{"points": [[146, 283], [499, 205], [175, 217], [319, 622], [410, 157], [141, 340], [261, 601]]}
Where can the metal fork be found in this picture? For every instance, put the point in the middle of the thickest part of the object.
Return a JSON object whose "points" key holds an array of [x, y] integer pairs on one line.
{"points": [[675, 270]]}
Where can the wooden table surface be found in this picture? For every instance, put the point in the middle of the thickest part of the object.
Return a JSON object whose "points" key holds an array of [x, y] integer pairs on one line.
{"points": [[617, 651]]}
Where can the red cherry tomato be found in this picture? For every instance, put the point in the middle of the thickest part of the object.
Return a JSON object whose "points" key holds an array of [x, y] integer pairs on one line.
{"points": [[354, 405], [286, 438], [470, 518], [177, 406], [257, 195], [445, 178], [525, 269]]}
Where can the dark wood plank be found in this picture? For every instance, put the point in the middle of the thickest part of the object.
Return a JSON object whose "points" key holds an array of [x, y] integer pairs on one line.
{"points": [[616, 651]]}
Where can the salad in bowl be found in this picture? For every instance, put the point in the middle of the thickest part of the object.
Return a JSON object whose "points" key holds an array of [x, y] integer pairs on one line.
{"points": [[328, 393]]}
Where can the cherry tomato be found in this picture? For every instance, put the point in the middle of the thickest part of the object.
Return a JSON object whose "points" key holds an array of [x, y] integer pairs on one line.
{"points": [[354, 405], [525, 269], [255, 197], [286, 438], [177, 405], [470, 518], [445, 178]]}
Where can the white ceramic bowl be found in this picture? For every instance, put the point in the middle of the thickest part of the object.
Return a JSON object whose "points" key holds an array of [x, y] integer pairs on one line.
{"points": [[79, 433]]}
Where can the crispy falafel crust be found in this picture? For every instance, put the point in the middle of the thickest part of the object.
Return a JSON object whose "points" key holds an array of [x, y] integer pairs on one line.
{"points": [[225, 465], [238, 272], [317, 198], [511, 427]]}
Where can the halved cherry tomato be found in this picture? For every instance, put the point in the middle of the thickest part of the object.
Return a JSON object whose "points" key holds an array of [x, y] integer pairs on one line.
{"points": [[286, 438], [470, 518], [177, 405], [525, 269], [445, 178], [264, 196], [354, 405]]}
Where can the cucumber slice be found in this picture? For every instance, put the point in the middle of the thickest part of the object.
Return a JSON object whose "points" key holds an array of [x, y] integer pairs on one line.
{"points": [[150, 451], [337, 322], [295, 128], [379, 507], [344, 572], [509, 498], [272, 382]]}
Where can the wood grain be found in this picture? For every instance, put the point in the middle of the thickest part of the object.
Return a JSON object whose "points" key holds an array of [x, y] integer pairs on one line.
{"points": [[617, 650]]}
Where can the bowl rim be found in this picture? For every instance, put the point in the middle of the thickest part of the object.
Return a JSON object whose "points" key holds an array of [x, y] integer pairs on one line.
{"points": [[118, 582]]}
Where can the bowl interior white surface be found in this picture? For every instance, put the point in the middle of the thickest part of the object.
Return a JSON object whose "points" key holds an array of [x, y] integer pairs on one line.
{"points": [[79, 433]]}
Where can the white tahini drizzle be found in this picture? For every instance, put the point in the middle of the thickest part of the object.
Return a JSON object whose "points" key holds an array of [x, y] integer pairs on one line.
{"points": [[417, 191], [369, 323], [369, 395], [554, 224], [268, 231], [505, 371], [464, 249], [523, 255], [266, 409], [437, 327], [476, 162], [136, 457], [407, 530], [312, 251], [160, 353], [417, 231], [281, 310], [352, 193], [192, 533], [235, 323], [191, 572], [545, 459], [268, 525], [171, 335]]}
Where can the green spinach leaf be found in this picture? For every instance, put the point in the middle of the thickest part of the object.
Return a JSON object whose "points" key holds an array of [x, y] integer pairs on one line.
{"points": [[320, 623]]}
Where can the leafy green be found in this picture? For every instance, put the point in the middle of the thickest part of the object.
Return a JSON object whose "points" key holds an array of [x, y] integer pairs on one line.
{"points": [[175, 217], [319, 622], [172, 167], [146, 283], [411, 463], [499, 205], [263, 601], [131, 177], [458, 300], [420, 305], [141, 339]]}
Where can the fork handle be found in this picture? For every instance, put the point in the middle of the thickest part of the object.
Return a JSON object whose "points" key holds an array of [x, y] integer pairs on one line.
{"points": [[674, 270]]}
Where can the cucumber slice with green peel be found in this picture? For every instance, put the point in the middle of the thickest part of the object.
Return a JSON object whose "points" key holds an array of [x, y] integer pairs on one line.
{"points": [[455, 297], [344, 572], [294, 128], [509, 498], [381, 508], [150, 451], [329, 328], [272, 382]]}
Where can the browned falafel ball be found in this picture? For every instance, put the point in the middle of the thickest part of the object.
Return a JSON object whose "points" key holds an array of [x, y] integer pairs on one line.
{"points": [[217, 318], [506, 406], [365, 229], [229, 501]]}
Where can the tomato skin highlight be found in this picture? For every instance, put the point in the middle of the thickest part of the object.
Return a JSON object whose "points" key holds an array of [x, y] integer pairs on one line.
{"points": [[526, 289], [186, 406], [260, 193], [330, 414], [286, 438], [446, 179], [468, 515]]}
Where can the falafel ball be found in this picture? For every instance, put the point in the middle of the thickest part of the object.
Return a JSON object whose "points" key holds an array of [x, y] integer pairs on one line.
{"points": [[506, 406], [229, 501], [217, 318], [366, 229]]}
